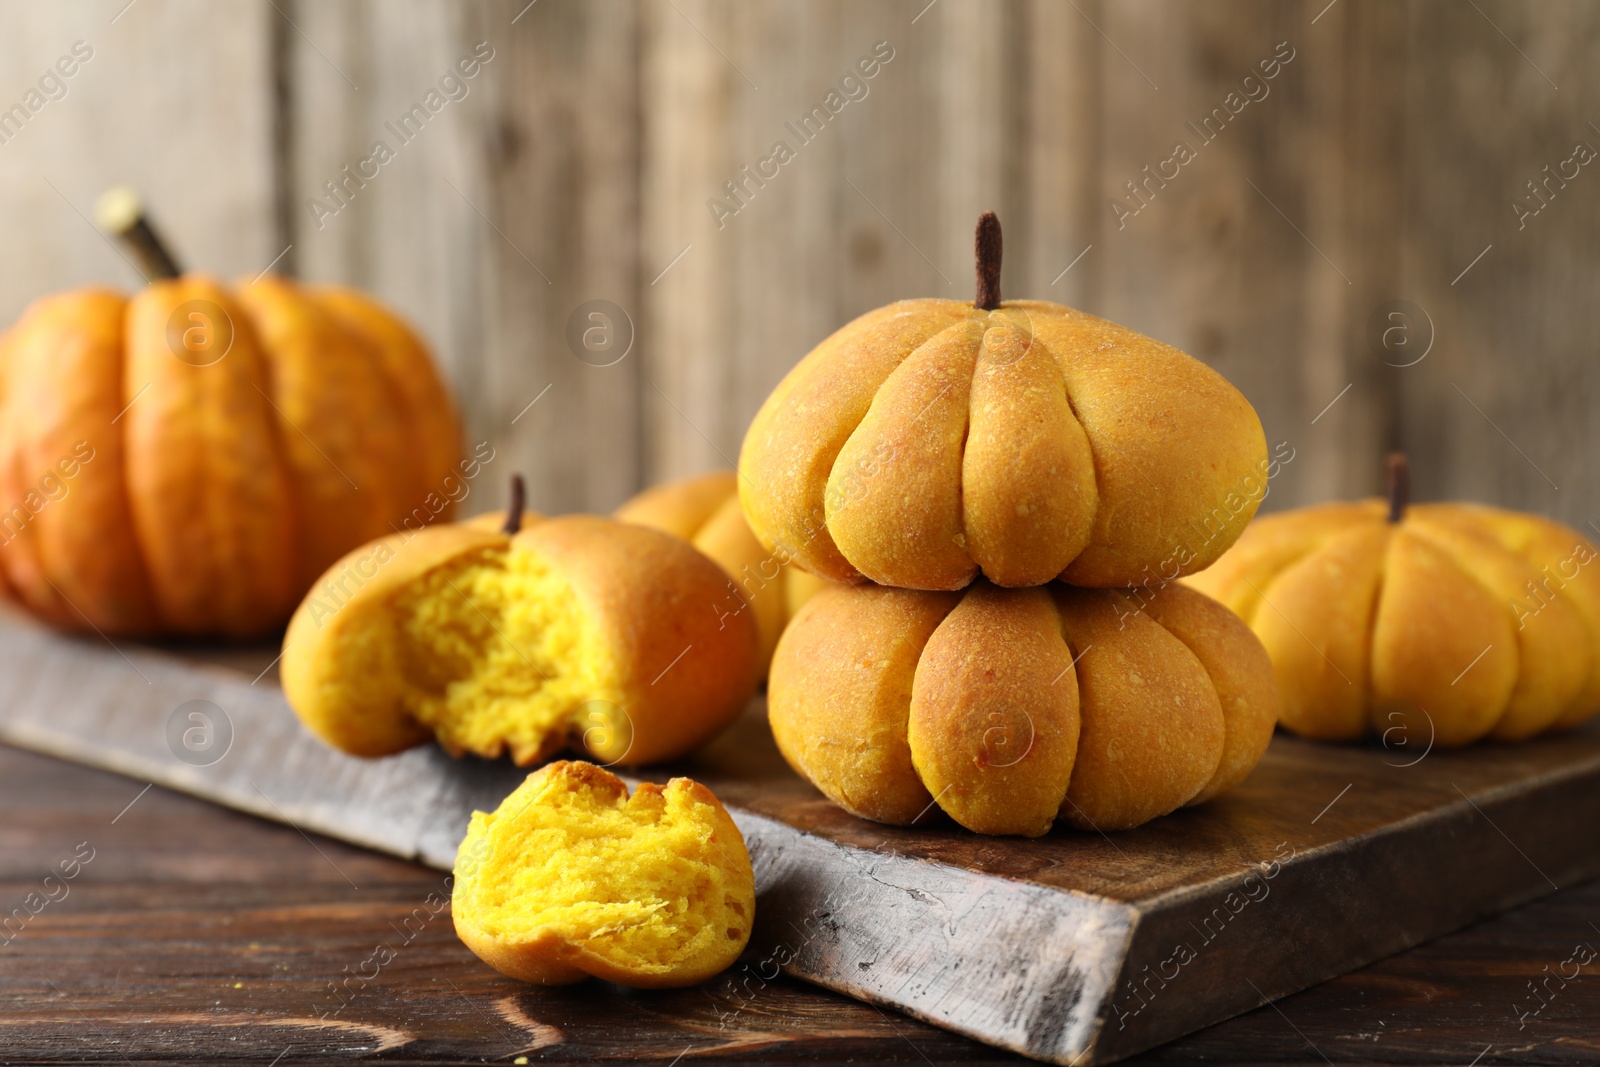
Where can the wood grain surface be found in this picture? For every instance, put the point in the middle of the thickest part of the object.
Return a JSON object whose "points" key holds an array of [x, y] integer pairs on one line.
{"points": [[197, 934], [1075, 948], [1382, 164]]}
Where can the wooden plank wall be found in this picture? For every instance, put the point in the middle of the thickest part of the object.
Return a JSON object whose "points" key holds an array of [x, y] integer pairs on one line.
{"points": [[1382, 159]]}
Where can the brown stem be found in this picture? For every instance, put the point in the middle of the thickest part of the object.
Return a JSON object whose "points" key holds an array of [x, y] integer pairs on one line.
{"points": [[987, 242], [1399, 486], [120, 214], [519, 493]]}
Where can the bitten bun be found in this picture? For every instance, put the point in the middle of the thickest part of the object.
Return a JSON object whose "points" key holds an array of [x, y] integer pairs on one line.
{"points": [[577, 632]]}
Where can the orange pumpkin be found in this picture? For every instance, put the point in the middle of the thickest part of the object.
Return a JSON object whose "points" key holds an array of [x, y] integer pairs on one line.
{"points": [[187, 461]]}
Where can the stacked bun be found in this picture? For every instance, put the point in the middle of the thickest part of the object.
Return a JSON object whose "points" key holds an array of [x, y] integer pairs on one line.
{"points": [[1007, 491]]}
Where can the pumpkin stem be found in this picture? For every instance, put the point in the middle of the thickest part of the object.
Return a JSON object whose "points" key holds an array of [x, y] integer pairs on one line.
{"points": [[1399, 485], [987, 242], [519, 493], [120, 213]]}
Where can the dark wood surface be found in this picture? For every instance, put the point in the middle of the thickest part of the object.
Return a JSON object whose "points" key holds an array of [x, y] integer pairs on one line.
{"points": [[1331, 856], [1328, 857], [200, 934]]}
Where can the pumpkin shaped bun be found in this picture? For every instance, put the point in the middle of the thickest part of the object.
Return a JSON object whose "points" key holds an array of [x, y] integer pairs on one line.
{"points": [[705, 512], [186, 461], [1010, 708], [570, 878], [932, 440], [1449, 622], [577, 631]]}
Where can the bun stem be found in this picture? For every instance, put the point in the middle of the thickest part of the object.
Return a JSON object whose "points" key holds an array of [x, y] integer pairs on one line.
{"points": [[1399, 486], [519, 494], [987, 251]]}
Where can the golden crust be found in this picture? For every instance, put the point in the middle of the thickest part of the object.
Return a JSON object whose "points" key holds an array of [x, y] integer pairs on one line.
{"points": [[682, 507], [682, 673], [705, 511], [994, 717], [1240, 672], [1010, 708], [930, 438], [1322, 658], [1460, 622], [687, 671], [789, 451], [561, 952], [839, 696], [1152, 720], [1562, 561]]}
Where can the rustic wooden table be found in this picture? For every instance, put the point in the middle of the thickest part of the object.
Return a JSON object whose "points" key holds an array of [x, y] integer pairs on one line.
{"points": [[144, 925]]}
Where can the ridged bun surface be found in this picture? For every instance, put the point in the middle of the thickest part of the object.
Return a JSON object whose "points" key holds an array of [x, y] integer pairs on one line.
{"points": [[930, 441], [1455, 623], [1011, 708]]}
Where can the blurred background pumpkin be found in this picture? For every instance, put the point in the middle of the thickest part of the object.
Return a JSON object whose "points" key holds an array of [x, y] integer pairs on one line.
{"points": [[186, 461]]}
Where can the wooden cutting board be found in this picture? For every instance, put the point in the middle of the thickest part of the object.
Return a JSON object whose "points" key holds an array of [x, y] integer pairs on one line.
{"points": [[1076, 948]]}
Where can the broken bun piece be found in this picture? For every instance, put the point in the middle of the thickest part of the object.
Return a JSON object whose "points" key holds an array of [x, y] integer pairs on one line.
{"points": [[571, 878]]}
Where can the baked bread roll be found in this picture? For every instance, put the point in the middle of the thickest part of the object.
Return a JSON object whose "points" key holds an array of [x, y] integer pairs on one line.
{"points": [[932, 440], [1434, 624], [577, 631], [1010, 708], [571, 877], [705, 512]]}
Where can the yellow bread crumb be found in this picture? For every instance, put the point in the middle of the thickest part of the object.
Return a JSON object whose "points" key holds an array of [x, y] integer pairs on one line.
{"points": [[571, 877], [500, 652]]}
